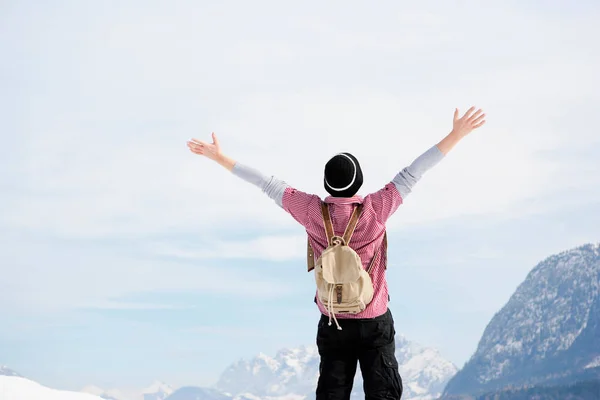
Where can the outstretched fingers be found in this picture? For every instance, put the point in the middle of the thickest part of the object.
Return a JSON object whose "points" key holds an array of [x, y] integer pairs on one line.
{"points": [[479, 124], [468, 113], [210, 150], [474, 119], [475, 115], [197, 142], [196, 146], [478, 120]]}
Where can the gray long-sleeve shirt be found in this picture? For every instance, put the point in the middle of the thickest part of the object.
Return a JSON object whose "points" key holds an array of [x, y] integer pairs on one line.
{"points": [[404, 181]]}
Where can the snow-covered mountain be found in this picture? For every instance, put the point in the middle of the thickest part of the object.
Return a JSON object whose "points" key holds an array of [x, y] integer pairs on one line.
{"points": [[290, 375], [19, 388], [290, 371], [547, 333], [157, 391], [424, 371], [198, 393], [5, 371], [111, 394], [294, 373]]}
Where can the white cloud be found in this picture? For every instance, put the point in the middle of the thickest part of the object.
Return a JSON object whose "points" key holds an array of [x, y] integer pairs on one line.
{"points": [[101, 138], [235, 331], [117, 305], [41, 276], [276, 248], [108, 157], [142, 186]]}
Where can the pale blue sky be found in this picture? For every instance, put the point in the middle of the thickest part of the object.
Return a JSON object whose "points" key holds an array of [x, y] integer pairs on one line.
{"points": [[123, 261]]}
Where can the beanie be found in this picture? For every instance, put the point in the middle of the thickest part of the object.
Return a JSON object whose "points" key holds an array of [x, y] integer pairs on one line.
{"points": [[343, 176]]}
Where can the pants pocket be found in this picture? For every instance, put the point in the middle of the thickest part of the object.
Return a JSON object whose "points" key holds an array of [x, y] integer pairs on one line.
{"points": [[381, 377], [390, 365]]}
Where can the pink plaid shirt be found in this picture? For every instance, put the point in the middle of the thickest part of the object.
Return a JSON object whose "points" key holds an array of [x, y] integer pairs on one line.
{"points": [[368, 236], [369, 232]]}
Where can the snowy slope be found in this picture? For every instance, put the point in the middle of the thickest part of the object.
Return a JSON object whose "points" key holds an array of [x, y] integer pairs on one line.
{"points": [[548, 332], [18, 388]]}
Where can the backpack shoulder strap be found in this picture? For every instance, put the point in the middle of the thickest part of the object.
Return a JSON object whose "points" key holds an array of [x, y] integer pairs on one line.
{"points": [[352, 223], [384, 245], [310, 256], [327, 222]]}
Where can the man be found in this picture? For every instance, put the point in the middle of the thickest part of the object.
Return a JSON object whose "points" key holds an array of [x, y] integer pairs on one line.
{"points": [[367, 337]]}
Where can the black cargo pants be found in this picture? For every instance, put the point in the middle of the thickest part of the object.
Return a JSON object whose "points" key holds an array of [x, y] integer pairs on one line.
{"points": [[367, 342]]}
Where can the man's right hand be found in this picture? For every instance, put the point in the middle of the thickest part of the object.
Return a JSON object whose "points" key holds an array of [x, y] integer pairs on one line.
{"points": [[468, 122]]}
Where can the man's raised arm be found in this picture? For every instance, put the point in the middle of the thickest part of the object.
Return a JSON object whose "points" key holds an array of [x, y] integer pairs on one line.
{"points": [[271, 186], [461, 127], [387, 200]]}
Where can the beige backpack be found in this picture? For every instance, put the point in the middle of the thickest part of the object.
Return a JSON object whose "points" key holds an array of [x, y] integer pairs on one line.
{"points": [[343, 285]]}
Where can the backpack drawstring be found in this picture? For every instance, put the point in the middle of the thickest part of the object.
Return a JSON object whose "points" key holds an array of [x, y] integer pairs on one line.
{"points": [[330, 308]]}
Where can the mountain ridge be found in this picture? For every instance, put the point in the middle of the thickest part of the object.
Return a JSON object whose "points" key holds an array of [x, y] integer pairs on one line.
{"points": [[5, 371], [292, 373], [548, 330]]}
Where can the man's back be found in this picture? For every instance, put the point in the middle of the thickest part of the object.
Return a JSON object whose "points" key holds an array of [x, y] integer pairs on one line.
{"points": [[368, 236]]}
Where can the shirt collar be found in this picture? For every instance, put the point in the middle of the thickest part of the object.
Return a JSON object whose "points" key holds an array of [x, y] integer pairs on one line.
{"points": [[356, 199]]}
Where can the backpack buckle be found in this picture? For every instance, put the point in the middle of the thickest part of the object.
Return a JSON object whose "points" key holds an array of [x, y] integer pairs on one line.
{"points": [[338, 290], [337, 240]]}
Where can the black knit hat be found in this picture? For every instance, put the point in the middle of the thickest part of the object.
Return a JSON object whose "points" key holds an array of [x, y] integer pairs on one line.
{"points": [[343, 176]]}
